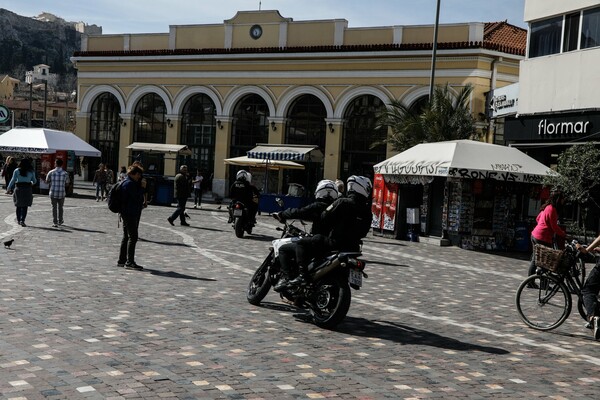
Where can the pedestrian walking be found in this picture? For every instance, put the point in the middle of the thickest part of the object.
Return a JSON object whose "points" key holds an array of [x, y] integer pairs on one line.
{"points": [[21, 185], [110, 176], [8, 171], [197, 182], [131, 197], [547, 225], [58, 179], [182, 192], [100, 182]]}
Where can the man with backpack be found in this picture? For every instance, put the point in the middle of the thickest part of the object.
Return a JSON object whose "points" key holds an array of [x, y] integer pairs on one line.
{"points": [[129, 199]]}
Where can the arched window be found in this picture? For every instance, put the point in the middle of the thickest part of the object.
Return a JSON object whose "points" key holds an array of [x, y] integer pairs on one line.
{"points": [[306, 125], [105, 130], [360, 133], [250, 126], [149, 126], [419, 104], [306, 122], [198, 133]]}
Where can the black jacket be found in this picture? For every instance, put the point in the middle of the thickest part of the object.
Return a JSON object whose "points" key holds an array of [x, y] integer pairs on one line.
{"points": [[312, 213], [349, 220], [243, 191]]}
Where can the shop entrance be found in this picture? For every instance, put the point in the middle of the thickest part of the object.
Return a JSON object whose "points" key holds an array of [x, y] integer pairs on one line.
{"points": [[437, 206]]}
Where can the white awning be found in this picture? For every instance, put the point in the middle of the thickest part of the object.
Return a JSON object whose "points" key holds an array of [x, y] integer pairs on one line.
{"points": [[287, 152], [465, 159], [42, 140], [161, 148], [263, 163]]}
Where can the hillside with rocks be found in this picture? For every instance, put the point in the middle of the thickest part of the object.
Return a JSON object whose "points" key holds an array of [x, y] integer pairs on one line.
{"points": [[25, 42]]}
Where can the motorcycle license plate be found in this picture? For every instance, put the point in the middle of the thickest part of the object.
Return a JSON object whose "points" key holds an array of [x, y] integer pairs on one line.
{"points": [[355, 277], [237, 212]]}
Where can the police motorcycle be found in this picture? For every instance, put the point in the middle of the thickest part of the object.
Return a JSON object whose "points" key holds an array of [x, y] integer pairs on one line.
{"points": [[239, 215], [327, 294]]}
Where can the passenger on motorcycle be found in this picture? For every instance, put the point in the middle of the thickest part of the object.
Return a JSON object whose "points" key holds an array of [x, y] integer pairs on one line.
{"points": [[591, 288], [325, 194], [348, 220], [243, 191]]}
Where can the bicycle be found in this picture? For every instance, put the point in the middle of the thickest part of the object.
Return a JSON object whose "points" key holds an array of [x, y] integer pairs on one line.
{"points": [[544, 300]]}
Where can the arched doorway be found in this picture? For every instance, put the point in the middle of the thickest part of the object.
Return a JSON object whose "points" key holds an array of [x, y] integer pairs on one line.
{"points": [[198, 129], [105, 131], [250, 126], [360, 133], [306, 126], [149, 126]]}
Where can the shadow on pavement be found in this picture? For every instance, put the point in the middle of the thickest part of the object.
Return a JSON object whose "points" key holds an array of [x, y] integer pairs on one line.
{"points": [[177, 275], [72, 228], [260, 238], [369, 262], [407, 335], [279, 306], [204, 228], [164, 243]]}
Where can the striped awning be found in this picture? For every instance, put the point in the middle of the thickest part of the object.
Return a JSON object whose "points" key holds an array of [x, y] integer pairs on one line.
{"points": [[286, 152]]}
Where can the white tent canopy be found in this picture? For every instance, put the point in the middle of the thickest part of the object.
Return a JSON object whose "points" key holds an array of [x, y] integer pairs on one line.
{"points": [[465, 159], [263, 163], [44, 141], [287, 152]]}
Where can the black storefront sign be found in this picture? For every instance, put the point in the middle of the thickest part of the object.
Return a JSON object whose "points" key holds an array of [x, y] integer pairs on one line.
{"points": [[550, 127]]}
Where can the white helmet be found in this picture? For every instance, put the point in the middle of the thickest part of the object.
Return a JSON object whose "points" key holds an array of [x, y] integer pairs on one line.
{"points": [[326, 189], [244, 176], [359, 184]]}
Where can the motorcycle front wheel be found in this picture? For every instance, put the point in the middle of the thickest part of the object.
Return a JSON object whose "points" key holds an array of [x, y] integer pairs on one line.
{"points": [[260, 283], [330, 303]]}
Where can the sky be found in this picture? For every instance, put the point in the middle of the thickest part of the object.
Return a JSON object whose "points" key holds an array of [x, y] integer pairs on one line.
{"points": [[155, 16]]}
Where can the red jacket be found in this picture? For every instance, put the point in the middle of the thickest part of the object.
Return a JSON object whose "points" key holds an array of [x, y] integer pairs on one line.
{"points": [[547, 225]]}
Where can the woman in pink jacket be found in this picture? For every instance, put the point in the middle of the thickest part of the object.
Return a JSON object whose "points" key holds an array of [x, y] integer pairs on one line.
{"points": [[547, 225]]}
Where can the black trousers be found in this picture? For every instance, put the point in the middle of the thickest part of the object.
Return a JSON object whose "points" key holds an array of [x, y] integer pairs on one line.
{"points": [[310, 247], [130, 238], [287, 260]]}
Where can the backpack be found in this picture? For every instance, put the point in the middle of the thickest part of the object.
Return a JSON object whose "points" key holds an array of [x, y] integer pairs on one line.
{"points": [[114, 197]]}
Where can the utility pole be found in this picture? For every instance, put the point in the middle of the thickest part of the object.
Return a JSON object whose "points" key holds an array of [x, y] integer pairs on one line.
{"points": [[433, 57], [45, 100], [29, 80]]}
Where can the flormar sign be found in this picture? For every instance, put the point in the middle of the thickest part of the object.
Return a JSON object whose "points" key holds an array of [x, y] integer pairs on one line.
{"points": [[551, 127]]}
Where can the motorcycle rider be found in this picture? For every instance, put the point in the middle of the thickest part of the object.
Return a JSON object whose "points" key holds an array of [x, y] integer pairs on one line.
{"points": [[325, 194], [243, 191], [348, 220]]}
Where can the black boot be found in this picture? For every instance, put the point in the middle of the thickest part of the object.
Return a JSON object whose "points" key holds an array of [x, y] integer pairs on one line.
{"points": [[301, 279], [282, 284]]}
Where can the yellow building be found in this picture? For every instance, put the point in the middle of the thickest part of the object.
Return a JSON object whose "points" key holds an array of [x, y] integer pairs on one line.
{"points": [[8, 86], [263, 78]]}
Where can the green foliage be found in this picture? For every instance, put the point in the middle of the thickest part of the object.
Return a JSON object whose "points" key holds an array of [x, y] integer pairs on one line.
{"points": [[446, 117], [579, 169]]}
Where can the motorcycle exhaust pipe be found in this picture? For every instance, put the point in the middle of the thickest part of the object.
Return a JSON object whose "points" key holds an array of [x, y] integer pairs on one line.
{"points": [[326, 269]]}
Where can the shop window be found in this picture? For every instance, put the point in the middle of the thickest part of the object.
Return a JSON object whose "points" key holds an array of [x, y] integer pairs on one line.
{"points": [[571, 32], [105, 129], [545, 37], [590, 28]]}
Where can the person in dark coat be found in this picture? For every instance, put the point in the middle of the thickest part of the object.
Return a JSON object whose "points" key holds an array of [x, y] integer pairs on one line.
{"points": [[182, 192], [132, 203]]}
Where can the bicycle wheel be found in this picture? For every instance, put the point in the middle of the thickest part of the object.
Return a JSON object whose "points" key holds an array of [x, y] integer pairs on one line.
{"points": [[543, 302]]}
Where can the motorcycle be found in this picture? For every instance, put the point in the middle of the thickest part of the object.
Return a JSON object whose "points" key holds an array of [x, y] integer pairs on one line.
{"points": [[327, 295], [240, 218]]}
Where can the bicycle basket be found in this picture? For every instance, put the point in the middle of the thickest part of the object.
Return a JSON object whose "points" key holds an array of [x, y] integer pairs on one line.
{"points": [[550, 259]]}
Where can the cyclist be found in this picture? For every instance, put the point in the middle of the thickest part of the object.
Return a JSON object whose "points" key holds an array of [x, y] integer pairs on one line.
{"points": [[590, 290]]}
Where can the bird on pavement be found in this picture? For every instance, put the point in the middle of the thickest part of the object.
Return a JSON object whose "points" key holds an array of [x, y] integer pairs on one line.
{"points": [[8, 243]]}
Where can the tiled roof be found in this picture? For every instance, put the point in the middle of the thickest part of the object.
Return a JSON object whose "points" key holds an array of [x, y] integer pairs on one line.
{"points": [[505, 35]]}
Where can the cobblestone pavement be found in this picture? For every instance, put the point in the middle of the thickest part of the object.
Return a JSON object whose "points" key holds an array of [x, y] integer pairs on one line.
{"points": [[430, 322]]}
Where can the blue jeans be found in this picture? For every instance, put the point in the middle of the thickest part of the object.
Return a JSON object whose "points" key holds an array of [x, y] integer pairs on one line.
{"points": [[21, 214], [100, 190]]}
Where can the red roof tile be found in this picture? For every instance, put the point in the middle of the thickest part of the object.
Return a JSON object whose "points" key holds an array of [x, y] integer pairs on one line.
{"points": [[505, 35]]}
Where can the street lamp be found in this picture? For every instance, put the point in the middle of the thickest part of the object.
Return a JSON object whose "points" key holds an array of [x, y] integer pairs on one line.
{"points": [[435, 40], [29, 80]]}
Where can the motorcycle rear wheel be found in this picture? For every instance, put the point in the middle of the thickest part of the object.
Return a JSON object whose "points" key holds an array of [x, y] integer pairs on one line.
{"points": [[331, 303], [260, 284], [238, 226]]}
